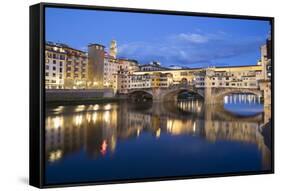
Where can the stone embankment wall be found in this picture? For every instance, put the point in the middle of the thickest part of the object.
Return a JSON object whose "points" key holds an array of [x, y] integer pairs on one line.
{"points": [[77, 95]]}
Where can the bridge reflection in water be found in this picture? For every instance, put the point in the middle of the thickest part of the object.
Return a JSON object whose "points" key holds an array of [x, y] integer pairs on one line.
{"points": [[93, 133]]}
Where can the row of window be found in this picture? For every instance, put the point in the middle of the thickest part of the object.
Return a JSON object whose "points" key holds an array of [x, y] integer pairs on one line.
{"points": [[68, 75], [230, 84], [53, 75], [54, 68], [54, 62], [68, 69], [52, 81], [56, 56]]}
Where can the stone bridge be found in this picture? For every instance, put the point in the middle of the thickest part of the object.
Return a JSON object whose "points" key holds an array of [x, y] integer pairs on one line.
{"points": [[211, 95]]}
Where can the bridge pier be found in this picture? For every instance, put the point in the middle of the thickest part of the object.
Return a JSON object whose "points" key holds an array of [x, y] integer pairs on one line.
{"points": [[209, 95], [156, 95]]}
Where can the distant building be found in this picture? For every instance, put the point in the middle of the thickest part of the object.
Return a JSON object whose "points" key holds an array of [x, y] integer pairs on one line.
{"points": [[152, 66], [113, 49], [96, 55]]}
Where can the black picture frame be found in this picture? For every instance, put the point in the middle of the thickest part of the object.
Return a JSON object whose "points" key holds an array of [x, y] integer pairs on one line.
{"points": [[37, 92]]}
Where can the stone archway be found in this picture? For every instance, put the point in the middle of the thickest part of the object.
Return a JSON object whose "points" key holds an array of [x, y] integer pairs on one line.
{"points": [[184, 81], [140, 95], [173, 94], [217, 95]]}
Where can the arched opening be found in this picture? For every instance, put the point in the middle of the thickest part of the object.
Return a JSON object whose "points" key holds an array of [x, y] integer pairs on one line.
{"points": [[182, 95], [243, 104], [140, 96], [188, 95], [183, 81]]}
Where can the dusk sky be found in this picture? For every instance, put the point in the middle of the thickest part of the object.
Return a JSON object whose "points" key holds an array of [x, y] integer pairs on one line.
{"points": [[173, 40]]}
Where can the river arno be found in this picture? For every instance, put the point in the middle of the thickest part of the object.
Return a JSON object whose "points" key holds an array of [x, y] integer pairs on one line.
{"points": [[125, 140]]}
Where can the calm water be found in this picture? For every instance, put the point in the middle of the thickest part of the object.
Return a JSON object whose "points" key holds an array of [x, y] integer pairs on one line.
{"points": [[128, 140]]}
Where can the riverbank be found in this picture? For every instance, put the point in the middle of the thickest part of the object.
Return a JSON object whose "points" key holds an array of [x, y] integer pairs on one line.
{"points": [[79, 96], [95, 100]]}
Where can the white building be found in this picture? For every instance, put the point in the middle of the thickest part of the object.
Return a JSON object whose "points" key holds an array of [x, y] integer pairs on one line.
{"points": [[110, 72], [55, 61]]}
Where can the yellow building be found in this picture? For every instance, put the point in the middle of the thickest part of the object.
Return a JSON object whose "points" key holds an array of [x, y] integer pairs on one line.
{"points": [[76, 69]]}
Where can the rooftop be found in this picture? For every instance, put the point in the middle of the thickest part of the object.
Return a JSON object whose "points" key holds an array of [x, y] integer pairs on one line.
{"points": [[96, 44], [62, 45]]}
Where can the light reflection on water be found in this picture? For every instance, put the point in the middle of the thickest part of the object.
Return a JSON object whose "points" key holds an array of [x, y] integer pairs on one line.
{"points": [[84, 142], [243, 104]]}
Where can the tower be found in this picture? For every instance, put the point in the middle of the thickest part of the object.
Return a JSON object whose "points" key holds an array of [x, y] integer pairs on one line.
{"points": [[113, 49], [96, 65]]}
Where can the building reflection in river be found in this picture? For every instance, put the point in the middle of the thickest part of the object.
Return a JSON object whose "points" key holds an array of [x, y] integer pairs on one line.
{"points": [[97, 128]]}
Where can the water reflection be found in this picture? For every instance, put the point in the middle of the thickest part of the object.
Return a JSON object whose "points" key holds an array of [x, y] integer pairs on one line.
{"points": [[98, 129], [243, 104]]}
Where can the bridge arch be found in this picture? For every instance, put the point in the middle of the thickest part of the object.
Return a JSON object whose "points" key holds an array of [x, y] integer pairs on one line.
{"points": [[173, 94], [219, 94], [140, 95]]}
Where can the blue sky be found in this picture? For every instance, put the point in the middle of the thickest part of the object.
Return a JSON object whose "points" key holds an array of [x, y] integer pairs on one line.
{"points": [[173, 40]]}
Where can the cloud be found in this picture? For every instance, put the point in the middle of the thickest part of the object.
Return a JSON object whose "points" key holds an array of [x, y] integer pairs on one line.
{"points": [[192, 37], [83, 48], [191, 49]]}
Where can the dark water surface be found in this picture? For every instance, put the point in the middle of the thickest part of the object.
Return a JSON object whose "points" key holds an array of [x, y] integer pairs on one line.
{"points": [[140, 140]]}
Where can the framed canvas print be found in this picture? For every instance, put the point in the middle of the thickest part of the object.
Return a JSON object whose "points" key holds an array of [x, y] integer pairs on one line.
{"points": [[126, 95]]}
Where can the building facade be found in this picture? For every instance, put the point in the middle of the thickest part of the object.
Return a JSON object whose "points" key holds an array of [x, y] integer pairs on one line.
{"points": [[55, 59], [110, 72], [65, 67], [96, 54], [76, 69], [126, 67]]}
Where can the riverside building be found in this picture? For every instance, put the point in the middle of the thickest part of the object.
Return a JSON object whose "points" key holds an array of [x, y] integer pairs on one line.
{"points": [[65, 67], [55, 59], [96, 54]]}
